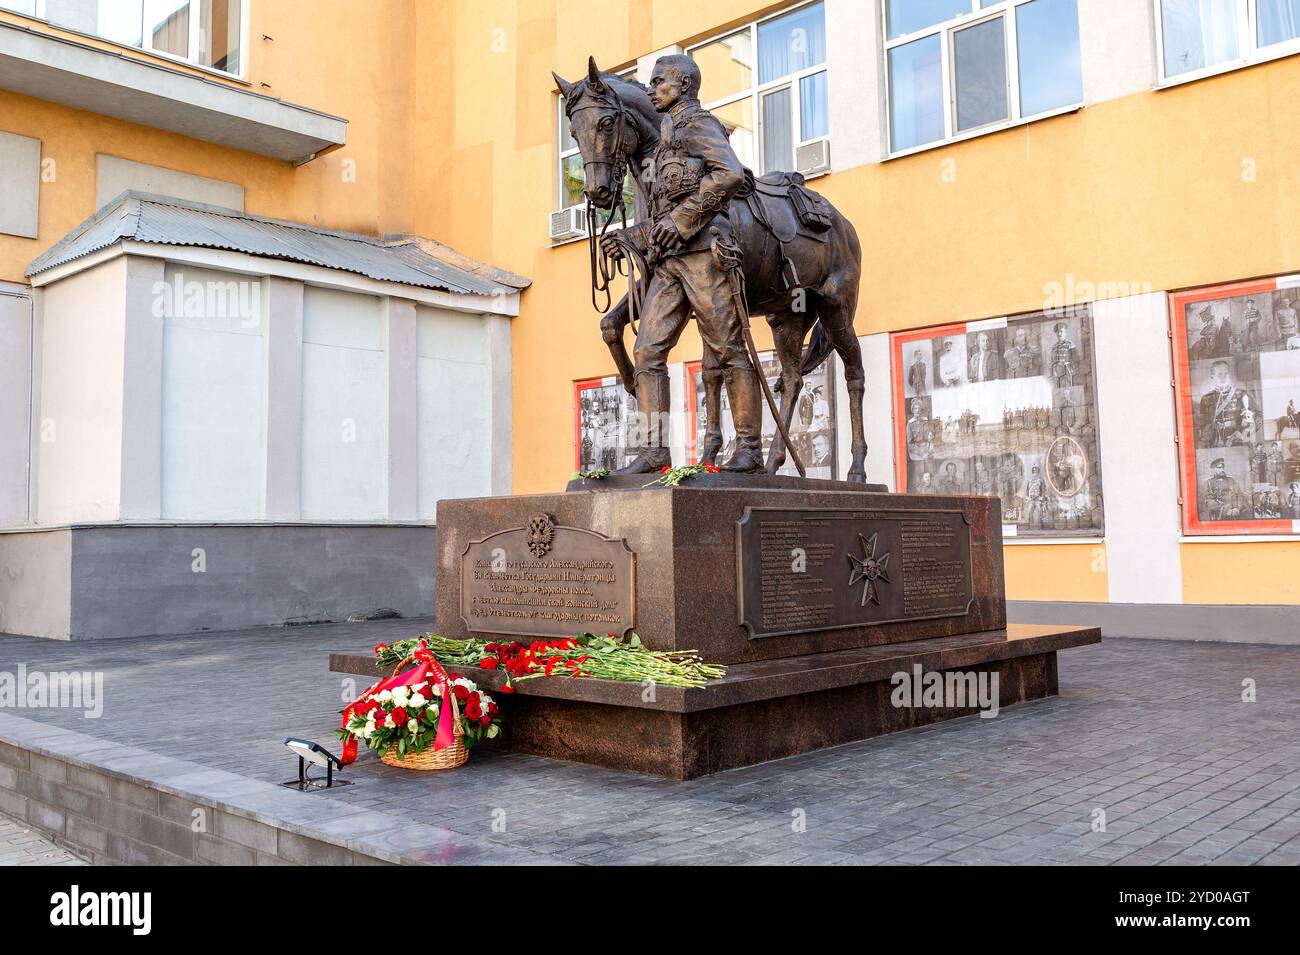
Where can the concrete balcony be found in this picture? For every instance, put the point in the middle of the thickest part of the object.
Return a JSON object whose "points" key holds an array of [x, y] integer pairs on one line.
{"points": [[114, 84]]}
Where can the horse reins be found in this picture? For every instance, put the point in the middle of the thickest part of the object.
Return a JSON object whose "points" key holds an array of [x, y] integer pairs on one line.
{"points": [[604, 268]]}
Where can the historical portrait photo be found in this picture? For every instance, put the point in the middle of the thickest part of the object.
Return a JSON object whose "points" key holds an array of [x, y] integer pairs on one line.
{"points": [[1012, 414], [603, 424], [949, 357], [1238, 366]]}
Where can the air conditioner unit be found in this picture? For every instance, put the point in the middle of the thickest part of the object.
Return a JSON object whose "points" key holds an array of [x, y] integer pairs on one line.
{"points": [[568, 223], [812, 159]]}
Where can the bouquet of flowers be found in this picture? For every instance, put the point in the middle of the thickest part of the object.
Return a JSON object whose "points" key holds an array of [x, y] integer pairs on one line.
{"points": [[420, 719]]}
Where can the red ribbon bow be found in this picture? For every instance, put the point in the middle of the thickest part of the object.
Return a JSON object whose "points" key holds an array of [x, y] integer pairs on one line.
{"points": [[428, 671]]}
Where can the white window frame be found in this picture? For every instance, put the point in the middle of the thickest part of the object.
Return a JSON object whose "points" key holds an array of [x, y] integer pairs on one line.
{"points": [[192, 59], [947, 31], [756, 92], [1251, 52]]}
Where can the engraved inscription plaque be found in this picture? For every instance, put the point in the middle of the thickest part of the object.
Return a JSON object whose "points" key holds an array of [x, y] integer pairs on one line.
{"points": [[546, 580], [805, 569]]}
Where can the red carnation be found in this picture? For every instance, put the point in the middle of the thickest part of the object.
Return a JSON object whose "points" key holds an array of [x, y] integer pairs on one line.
{"points": [[399, 716], [380, 648], [507, 689], [489, 663]]}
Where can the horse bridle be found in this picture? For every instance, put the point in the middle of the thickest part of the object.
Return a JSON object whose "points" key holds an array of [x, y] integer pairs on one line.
{"points": [[603, 268]]}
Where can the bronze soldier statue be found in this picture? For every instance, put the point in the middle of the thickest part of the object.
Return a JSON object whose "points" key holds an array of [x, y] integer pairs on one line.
{"points": [[696, 172]]}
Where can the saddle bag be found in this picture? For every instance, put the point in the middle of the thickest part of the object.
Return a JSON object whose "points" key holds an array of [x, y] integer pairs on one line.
{"points": [[811, 208]]}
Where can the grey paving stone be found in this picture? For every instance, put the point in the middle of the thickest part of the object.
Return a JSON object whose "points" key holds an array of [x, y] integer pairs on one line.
{"points": [[1183, 774]]}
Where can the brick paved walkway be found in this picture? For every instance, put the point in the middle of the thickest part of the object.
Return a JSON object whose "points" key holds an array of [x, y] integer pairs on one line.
{"points": [[19, 845], [1151, 733]]}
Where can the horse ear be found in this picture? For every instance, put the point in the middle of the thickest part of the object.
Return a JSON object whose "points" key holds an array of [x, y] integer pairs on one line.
{"points": [[565, 86], [593, 76]]}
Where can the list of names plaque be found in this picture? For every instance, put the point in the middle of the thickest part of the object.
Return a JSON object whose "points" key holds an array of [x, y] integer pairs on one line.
{"points": [[545, 580], [805, 569]]}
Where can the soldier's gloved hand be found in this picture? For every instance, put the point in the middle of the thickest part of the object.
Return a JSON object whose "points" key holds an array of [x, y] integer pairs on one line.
{"points": [[612, 247], [665, 234]]}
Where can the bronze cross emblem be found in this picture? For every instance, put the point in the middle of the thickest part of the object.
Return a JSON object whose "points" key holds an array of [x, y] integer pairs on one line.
{"points": [[868, 569]]}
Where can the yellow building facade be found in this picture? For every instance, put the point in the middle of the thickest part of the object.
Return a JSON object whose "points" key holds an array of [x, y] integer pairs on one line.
{"points": [[1153, 182]]}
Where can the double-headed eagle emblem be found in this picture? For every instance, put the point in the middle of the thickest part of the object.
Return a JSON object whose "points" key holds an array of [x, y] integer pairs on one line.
{"points": [[868, 569], [539, 534]]}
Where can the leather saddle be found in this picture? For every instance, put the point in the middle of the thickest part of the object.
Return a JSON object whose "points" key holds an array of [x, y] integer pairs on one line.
{"points": [[786, 207]]}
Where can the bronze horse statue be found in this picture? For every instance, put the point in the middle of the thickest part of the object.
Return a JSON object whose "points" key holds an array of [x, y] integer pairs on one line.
{"points": [[800, 279]]}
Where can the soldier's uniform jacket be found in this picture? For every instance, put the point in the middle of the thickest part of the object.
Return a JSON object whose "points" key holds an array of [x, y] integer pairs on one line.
{"points": [[696, 173]]}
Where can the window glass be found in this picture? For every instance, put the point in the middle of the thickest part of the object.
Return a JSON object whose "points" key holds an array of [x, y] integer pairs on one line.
{"points": [[738, 119], [908, 16], [567, 141], [167, 24], [219, 34], [1047, 44], [791, 43], [814, 120], [778, 135], [571, 180], [1278, 21], [727, 65], [980, 71], [916, 93], [116, 20], [1198, 34]]}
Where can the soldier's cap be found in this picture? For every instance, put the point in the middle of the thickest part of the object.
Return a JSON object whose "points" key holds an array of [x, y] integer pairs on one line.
{"points": [[1218, 463], [1206, 312]]}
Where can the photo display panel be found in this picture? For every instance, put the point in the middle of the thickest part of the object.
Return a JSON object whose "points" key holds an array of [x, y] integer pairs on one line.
{"points": [[1237, 379], [1005, 408]]}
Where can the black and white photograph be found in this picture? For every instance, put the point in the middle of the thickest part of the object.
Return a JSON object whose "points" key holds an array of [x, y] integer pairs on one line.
{"points": [[1019, 394], [812, 430]]}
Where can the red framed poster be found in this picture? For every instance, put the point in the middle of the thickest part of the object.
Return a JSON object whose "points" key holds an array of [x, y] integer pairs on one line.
{"points": [[601, 408], [1236, 359], [1007, 408]]}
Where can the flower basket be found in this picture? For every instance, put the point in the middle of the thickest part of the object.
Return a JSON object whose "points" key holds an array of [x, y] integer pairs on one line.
{"points": [[428, 758], [419, 719]]}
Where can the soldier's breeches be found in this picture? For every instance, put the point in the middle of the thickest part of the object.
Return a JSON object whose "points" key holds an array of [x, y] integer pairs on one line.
{"points": [[682, 284]]}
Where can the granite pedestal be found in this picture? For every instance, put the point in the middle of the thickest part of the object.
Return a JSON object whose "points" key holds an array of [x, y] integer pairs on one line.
{"points": [[816, 594]]}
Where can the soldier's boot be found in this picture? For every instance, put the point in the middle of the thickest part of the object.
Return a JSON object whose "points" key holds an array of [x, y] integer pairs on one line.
{"points": [[747, 417], [653, 402]]}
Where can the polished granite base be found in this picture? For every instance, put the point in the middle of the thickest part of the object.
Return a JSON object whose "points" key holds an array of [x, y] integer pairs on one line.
{"points": [[761, 710]]}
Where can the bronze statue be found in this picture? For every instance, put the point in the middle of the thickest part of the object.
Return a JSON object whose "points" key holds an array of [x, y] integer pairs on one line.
{"points": [[712, 241]]}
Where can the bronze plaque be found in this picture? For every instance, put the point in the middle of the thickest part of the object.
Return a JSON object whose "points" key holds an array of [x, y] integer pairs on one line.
{"points": [[545, 580], [807, 569]]}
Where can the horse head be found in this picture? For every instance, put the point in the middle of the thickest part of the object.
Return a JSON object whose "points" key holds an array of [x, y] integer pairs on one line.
{"points": [[608, 122]]}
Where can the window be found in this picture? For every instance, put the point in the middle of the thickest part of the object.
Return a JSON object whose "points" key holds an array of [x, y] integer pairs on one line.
{"points": [[572, 181], [957, 67], [207, 33], [767, 83], [1199, 37]]}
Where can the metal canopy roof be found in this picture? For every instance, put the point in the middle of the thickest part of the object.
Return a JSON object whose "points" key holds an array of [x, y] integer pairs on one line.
{"points": [[406, 259]]}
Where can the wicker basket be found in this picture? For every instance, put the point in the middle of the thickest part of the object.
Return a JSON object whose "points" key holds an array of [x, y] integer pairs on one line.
{"points": [[449, 757]]}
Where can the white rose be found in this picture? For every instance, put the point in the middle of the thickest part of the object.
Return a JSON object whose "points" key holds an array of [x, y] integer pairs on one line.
{"points": [[400, 696], [383, 696], [413, 726], [416, 700]]}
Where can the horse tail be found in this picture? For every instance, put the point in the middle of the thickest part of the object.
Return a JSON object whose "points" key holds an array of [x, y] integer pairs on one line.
{"points": [[819, 347]]}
